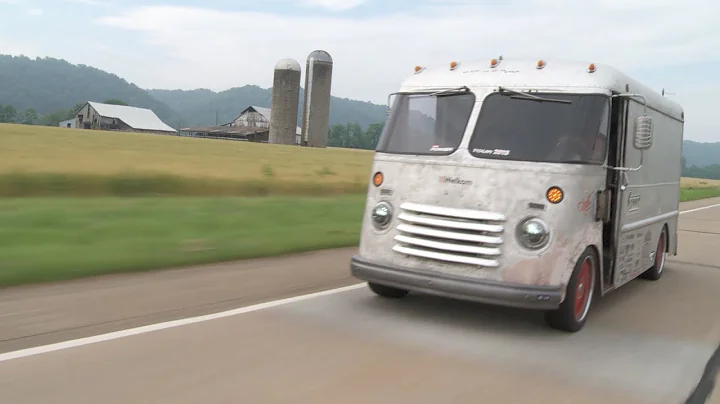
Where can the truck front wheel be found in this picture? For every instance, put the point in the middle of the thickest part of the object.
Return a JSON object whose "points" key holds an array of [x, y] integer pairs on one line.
{"points": [[573, 311], [387, 291]]}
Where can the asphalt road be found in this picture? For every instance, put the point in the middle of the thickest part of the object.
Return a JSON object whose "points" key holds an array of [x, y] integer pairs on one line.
{"points": [[646, 343]]}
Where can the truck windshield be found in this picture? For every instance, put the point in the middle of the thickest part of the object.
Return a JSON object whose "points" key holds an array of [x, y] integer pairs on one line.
{"points": [[512, 126], [429, 124]]}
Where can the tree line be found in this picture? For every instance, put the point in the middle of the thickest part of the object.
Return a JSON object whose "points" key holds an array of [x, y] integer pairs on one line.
{"points": [[711, 172], [8, 114], [352, 136]]}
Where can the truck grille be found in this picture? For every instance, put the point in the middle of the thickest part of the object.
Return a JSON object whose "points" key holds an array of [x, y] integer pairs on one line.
{"points": [[450, 235]]}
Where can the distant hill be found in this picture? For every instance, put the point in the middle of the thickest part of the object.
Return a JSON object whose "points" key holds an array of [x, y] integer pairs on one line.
{"points": [[201, 107], [701, 154], [53, 86], [49, 85]]}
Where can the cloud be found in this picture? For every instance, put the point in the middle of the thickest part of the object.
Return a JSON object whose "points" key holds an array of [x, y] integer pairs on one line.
{"points": [[333, 5], [90, 2], [185, 47], [373, 54], [35, 11]]}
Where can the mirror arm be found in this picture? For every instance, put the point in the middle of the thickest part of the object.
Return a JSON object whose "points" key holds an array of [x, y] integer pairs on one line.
{"points": [[633, 95], [624, 170], [628, 169]]}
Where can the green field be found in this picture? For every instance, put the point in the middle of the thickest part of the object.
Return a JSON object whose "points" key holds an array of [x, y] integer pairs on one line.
{"points": [[163, 201], [694, 194], [48, 239]]}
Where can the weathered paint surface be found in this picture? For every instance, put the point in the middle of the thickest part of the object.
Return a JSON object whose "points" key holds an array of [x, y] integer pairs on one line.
{"points": [[494, 186], [651, 199], [510, 187]]}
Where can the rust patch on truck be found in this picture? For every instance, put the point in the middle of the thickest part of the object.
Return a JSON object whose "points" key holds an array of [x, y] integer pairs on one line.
{"points": [[538, 270]]}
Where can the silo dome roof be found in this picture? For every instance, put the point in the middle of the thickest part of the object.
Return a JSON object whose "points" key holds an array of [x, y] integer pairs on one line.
{"points": [[288, 64], [320, 56]]}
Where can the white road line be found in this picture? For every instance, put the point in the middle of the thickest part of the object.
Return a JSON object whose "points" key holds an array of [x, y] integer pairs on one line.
{"points": [[192, 320], [698, 209], [169, 324]]}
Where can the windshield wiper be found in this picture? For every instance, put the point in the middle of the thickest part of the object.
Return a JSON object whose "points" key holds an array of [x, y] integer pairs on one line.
{"points": [[526, 96], [435, 94]]}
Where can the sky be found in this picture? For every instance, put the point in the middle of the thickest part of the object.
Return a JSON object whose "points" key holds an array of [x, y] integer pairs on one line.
{"points": [[375, 44]]}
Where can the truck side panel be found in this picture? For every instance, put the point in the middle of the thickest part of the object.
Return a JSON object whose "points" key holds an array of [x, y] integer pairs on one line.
{"points": [[651, 199]]}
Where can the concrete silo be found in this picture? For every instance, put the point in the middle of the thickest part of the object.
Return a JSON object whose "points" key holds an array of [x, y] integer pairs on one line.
{"points": [[316, 107], [285, 100]]}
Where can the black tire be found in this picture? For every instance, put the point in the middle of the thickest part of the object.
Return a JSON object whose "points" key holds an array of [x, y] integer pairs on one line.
{"points": [[387, 291], [654, 273], [574, 310]]}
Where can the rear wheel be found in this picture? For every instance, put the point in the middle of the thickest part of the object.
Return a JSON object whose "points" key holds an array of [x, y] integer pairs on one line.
{"points": [[387, 291], [656, 271], [573, 311]]}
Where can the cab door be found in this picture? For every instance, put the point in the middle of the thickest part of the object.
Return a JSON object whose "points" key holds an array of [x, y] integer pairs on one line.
{"points": [[630, 239]]}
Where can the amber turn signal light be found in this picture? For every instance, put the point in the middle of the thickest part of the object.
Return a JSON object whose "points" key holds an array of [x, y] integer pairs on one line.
{"points": [[378, 179], [555, 195]]}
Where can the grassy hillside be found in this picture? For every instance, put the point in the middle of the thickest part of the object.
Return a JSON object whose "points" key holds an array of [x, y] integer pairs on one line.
{"points": [[701, 154], [199, 107], [49, 85], [58, 161]]}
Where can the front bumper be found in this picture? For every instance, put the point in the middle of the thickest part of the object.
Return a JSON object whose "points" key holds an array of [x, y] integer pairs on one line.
{"points": [[477, 290]]}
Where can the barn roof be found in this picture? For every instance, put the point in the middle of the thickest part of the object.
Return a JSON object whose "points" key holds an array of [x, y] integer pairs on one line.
{"points": [[136, 118], [266, 112]]}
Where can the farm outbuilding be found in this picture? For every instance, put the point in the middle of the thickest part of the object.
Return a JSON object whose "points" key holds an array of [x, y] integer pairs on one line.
{"points": [[252, 124], [96, 115], [70, 123]]}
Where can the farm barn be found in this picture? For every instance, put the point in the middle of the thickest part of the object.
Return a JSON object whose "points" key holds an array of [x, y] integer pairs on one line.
{"points": [[96, 115], [252, 124]]}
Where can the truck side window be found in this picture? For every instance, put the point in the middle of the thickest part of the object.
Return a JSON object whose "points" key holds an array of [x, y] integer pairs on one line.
{"points": [[601, 142]]}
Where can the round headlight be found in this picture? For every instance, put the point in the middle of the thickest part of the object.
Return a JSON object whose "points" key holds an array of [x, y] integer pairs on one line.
{"points": [[533, 233], [381, 215]]}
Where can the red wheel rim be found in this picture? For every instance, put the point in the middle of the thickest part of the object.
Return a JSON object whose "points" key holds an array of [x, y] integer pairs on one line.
{"points": [[659, 255], [583, 289]]}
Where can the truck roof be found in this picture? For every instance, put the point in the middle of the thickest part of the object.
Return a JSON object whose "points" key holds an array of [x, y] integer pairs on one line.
{"points": [[523, 73]]}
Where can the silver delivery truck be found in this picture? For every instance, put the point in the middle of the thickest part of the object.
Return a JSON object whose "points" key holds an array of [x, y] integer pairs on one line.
{"points": [[533, 184]]}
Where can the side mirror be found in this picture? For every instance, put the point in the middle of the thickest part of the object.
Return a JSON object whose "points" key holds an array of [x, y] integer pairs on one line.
{"points": [[643, 132]]}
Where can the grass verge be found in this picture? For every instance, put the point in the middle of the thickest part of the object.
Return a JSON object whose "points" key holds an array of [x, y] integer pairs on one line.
{"points": [[52, 239], [694, 194]]}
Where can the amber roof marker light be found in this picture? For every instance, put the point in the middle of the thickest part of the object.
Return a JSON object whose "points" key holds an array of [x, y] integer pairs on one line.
{"points": [[555, 195], [378, 179]]}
